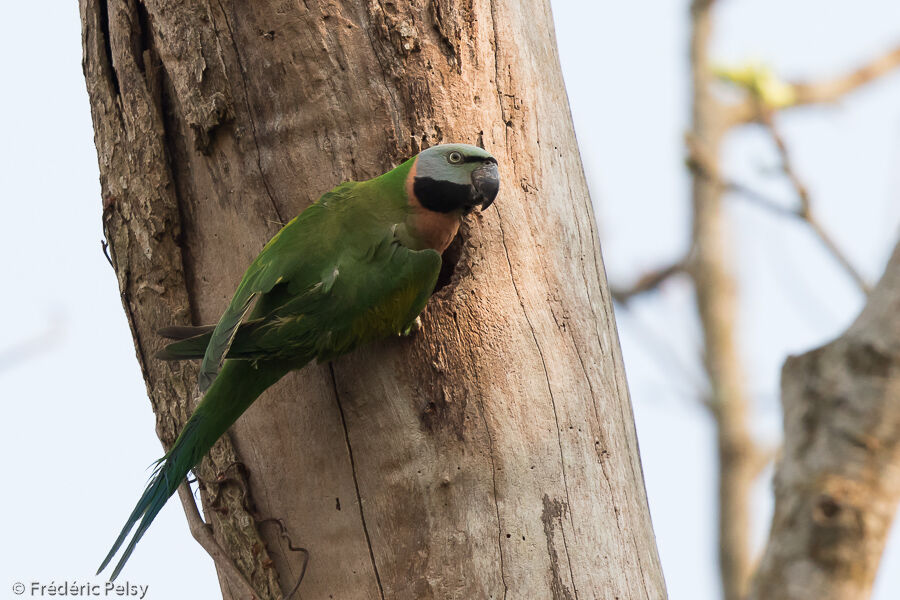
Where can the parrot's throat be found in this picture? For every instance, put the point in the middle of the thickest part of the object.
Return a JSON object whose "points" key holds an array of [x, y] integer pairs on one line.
{"points": [[433, 227]]}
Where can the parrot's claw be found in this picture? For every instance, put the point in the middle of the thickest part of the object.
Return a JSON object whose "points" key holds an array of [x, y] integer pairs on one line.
{"points": [[413, 327]]}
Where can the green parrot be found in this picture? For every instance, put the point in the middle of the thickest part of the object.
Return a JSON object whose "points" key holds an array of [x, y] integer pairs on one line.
{"points": [[356, 266]]}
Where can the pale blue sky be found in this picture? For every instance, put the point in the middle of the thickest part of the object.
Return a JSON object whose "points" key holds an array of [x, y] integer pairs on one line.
{"points": [[625, 66]]}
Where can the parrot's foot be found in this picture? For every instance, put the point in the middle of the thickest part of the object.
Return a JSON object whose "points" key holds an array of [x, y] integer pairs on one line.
{"points": [[414, 327]]}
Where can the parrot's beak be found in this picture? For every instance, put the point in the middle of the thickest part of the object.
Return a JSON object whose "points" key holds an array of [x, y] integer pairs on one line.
{"points": [[485, 183]]}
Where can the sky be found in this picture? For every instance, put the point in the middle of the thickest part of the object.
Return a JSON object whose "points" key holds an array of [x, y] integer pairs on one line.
{"points": [[78, 431]]}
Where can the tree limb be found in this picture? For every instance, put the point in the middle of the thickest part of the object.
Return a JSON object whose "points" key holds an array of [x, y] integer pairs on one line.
{"points": [[647, 282], [826, 91], [805, 211], [832, 90], [202, 532], [717, 309], [837, 483], [702, 165]]}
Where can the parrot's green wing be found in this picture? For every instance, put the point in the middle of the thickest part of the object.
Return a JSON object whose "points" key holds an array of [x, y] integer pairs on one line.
{"points": [[271, 267], [361, 297], [364, 286]]}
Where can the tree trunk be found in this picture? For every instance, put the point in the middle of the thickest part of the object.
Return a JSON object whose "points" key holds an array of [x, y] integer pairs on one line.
{"points": [[492, 455], [837, 483]]}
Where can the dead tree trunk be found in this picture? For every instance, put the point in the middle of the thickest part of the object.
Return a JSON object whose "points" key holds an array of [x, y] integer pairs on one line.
{"points": [[837, 483], [491, 456]]}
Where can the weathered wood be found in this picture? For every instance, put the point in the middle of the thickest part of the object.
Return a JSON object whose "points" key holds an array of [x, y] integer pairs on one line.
{"points": [[492, 455], [837, 482]]}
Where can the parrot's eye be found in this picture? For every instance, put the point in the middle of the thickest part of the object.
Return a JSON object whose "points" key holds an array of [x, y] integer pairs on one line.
{"points": [[455, 157]]}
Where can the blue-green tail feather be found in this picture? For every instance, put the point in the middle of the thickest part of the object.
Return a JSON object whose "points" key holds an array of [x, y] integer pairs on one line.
{"points": [[233, 391], [168, 474]]}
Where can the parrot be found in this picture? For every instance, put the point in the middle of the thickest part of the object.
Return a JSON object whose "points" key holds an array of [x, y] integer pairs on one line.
{"points": [[357, 265]]}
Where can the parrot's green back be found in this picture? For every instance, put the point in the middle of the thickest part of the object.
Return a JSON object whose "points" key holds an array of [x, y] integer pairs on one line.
{"points": [[357, 265]]}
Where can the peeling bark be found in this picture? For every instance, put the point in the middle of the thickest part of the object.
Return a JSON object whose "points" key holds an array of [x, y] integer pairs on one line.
{"points": [[492, 455], [837, 482]]}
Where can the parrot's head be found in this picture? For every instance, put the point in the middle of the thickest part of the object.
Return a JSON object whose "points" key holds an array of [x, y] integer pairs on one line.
{"points": [[455, 177]]}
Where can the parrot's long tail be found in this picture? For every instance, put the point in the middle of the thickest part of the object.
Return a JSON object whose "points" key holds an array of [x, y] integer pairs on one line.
{"points": [[238, 384]]}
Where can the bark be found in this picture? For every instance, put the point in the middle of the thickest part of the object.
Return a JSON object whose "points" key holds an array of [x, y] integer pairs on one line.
{"points": [[492, 455], [837, 482]]}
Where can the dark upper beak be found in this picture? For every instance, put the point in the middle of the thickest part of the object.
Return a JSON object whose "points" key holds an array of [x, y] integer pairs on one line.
{"points": [[486, 183]]}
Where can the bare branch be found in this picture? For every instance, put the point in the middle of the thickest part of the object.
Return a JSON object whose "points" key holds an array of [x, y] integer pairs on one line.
{"points": [[832, 90], [669, 358], [740, 459], [647, 282], [703, 166], [805, 210], [755, 197], [827, 91], [204, 536]]}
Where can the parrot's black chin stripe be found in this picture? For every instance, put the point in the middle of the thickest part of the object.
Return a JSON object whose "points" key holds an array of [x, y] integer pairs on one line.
{"points": [[442, 196], [446, 196]]}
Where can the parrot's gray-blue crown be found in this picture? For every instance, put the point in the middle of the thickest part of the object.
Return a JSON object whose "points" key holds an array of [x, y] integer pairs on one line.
{"points": [[456, 177]]}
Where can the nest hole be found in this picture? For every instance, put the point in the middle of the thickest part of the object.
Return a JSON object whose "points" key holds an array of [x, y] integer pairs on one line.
{"points": [[449, 261]]}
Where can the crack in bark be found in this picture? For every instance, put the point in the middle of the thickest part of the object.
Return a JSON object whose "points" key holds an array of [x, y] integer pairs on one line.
{"points": [[596, 411], [506, 126], [169, 129], [562, 530], [250, 118], [609, 319], [362, 516], [103, 23], [593, 314], [565, 326], [480, 406], [586, 376], [503, 114], [537, 344], [384, 74], [142, 218], [596, 251], [609, 485], [496, 502]]}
